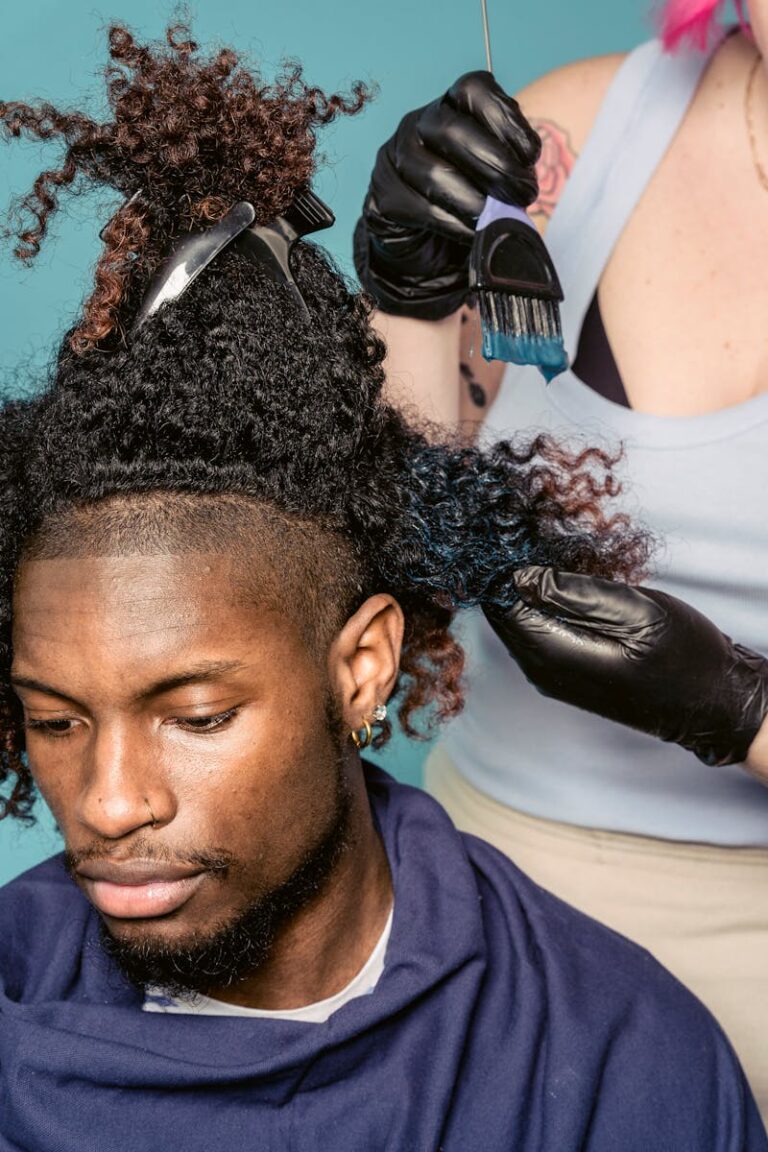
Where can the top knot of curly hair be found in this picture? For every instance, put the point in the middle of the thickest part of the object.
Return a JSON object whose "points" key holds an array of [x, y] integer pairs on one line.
{"points": [[189, 136]]}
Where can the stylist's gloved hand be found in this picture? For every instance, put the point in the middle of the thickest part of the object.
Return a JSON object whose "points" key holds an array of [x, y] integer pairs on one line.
{"points": [[636, 656], [428, 188]]}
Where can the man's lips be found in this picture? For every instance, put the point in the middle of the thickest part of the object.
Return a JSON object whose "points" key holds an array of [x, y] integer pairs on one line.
{"points": [[138, 889]]}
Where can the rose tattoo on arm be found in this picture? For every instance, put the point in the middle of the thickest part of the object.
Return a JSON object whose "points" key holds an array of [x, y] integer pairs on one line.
{"points": [[554, 166]]}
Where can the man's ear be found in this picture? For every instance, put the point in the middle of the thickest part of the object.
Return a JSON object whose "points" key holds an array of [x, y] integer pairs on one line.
{"points": [[364, 659]]}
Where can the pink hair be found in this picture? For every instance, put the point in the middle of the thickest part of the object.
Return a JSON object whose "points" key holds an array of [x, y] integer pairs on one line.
{"points": [[692, 20]]}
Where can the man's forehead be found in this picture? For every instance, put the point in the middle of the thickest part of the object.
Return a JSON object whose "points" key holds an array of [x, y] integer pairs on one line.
{"points": [[119, 597], [124, 623], [133, 578]]}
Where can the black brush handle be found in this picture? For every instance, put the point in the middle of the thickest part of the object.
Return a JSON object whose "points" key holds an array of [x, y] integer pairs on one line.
{"points": [[510, 256]]}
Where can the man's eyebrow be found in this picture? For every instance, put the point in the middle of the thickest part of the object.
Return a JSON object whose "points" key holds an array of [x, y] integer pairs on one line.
{"points": [[198, 674], [39, 686]]}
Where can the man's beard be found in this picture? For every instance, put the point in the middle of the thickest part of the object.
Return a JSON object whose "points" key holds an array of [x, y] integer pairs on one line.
{"points": [[239, 948]]}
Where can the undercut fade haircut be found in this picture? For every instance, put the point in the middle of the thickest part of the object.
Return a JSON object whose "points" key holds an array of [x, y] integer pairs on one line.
{"points": [[231, 405]]}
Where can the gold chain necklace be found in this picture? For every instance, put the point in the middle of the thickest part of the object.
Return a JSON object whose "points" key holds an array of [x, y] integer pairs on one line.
{"points": [[762, 175]]}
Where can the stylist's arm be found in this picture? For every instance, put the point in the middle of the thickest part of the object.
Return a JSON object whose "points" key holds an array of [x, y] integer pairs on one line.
{"points": [[641, 658]]}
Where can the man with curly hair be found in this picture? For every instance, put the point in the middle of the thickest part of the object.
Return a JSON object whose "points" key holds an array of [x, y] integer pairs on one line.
{"points": [[222, 553]]}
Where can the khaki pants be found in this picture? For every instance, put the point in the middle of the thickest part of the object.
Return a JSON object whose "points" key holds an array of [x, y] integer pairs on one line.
{"points": [[701, 910]]}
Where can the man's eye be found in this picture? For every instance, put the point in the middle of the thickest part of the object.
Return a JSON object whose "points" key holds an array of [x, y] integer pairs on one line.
{"points": [[205, 723], [58, 727]]}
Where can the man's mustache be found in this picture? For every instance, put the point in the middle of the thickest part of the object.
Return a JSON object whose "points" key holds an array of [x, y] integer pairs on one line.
{"points": [[218, 862]]}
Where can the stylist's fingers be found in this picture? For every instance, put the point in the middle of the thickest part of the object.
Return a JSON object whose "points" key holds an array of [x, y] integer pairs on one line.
{"points": [[537, 639], [406, 166], [478, 94], [523, 628], [419, 193], [561, 660], [488, 162], [590, 601], [448, 189]]}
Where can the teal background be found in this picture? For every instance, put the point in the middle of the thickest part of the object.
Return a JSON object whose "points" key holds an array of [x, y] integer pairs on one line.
{"points": [[412, 49]]}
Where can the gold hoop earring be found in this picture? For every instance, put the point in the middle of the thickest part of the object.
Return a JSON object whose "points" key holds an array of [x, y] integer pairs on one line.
{"points": [[363, 741]]}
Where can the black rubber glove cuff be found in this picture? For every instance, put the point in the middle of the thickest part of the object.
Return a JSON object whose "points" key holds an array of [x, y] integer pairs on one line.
{"points": [[380, 268], [744, 705]]}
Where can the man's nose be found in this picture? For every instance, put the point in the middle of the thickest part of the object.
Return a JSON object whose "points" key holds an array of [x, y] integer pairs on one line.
{"points": [[124, 789]]}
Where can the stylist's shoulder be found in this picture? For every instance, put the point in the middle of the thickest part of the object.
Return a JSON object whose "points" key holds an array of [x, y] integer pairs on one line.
{"points": [[562, 106]]}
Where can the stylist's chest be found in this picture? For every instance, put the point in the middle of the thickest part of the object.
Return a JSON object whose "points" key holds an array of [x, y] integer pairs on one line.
{"points": [[684, 297]]}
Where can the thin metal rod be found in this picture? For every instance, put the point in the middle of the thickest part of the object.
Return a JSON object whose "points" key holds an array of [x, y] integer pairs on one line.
{"points": [[487, 35]]}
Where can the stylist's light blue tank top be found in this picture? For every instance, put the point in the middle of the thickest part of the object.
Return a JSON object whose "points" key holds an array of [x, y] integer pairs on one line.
{"points": [[700, 483]]}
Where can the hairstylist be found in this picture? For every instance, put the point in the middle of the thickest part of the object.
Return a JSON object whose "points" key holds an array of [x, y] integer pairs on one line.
{"points": [[654, 196]]}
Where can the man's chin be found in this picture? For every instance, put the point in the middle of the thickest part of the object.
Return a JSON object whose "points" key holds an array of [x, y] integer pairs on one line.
{"points": [[164, 953]]}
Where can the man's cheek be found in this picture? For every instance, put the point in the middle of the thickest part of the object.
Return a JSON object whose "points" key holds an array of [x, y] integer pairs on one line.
{"points": [[54, 788]]}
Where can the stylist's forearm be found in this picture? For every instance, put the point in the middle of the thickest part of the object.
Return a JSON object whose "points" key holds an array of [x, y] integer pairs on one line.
{"points": [[422, 365], [757, 757]]}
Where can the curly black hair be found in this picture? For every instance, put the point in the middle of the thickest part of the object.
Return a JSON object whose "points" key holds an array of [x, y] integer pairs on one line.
{"points": [[233, 398]]}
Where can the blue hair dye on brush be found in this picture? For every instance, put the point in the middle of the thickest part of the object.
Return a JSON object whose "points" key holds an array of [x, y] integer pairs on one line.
{"points": [[518, 291]]}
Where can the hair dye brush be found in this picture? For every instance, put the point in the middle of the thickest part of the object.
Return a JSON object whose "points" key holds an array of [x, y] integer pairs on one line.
{"points": [[514, 279]]}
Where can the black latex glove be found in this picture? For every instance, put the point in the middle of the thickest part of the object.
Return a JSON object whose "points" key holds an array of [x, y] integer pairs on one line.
{"points": [[428, 188], [637, 656]]}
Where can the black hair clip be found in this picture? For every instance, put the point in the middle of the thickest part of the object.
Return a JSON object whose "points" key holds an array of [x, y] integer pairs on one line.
{"points": [[268, 245]]}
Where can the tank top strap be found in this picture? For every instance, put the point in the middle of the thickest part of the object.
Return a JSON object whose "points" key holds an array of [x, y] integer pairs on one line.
{"points": [[642, 110]]}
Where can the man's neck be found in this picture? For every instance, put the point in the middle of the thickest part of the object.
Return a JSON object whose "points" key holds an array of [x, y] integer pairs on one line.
{"points": [[328, 942]]}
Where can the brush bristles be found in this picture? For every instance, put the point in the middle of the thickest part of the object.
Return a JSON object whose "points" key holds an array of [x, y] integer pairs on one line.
{"points": [[522, 330], [520, 315]]}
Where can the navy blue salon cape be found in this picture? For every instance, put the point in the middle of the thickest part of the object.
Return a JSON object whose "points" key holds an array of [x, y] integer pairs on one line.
{"points": [[504, 1022]]}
